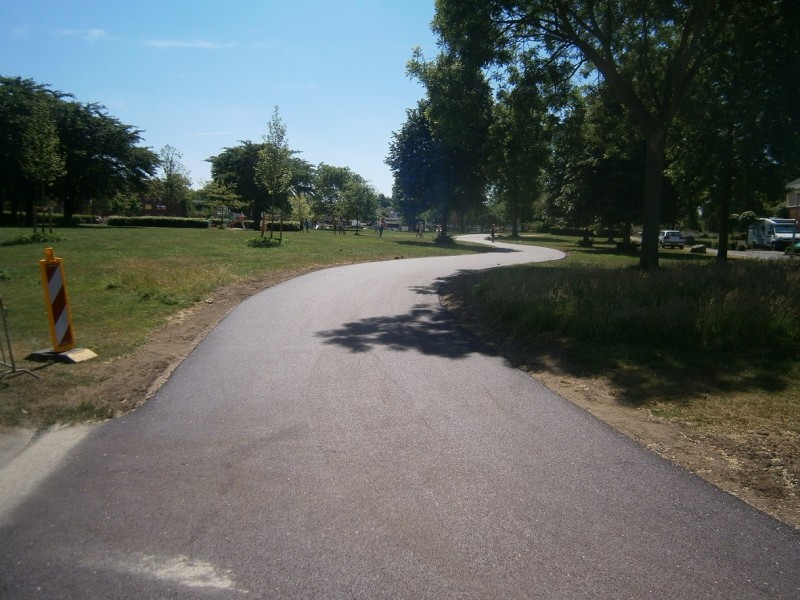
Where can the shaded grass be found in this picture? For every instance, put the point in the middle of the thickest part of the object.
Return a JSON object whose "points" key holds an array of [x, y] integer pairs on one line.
{"points": [[746, 307], [715, 347]]}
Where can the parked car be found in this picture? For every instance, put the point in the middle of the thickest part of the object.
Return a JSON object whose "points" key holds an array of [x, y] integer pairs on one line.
{"points": [[671, 238]]}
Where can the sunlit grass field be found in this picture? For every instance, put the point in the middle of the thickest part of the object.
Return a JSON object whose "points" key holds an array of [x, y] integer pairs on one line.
{"points": [[124, 283]]}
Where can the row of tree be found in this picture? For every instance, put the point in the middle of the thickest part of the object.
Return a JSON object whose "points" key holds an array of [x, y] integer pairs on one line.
{"points": [[52, 146], [269, 178], [55, 151], [604, 113]]}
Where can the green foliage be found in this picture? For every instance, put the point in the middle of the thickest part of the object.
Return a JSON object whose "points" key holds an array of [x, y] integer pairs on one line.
{"points": [[172, 189], [58, 150], [33, 238], [746, 307], [717, 81], [454, 130], [413, 158], [262, 242], [178, 222], [274, 167], [328, 196]]}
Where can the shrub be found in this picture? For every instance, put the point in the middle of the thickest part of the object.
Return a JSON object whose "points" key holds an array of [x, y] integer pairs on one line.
{"points": [[628, 247], [184, 223], [262, 242], [33, 238]]}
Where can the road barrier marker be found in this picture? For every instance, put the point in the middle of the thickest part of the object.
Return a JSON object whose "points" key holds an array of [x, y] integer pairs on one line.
{"points": [[62, 335]]}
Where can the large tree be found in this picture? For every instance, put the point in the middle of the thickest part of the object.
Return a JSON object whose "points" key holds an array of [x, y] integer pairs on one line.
{"points": [[236, 167], [648, 52], [102, 156], [172, 189], [740, 114], [328, 195], [77, 151], [521, 132], [415, 165], [360, 200], [458, 109], [31, 158]]}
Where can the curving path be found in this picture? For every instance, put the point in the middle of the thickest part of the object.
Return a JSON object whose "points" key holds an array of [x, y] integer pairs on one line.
{"points": [[337, 436]]}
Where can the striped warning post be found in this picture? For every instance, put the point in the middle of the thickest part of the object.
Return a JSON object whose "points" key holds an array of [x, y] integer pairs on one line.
{"points": [[55, 297]]}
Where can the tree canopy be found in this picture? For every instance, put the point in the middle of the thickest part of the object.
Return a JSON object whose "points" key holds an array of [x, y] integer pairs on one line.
{"points": [[648, 53], [76, 153], [602, 105]]}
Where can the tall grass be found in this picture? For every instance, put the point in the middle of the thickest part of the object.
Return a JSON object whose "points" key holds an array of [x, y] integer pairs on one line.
{"points": [[742, 307]]}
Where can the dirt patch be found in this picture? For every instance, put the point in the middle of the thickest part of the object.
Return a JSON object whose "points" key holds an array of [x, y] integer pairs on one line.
{"points": [[745, 465]]}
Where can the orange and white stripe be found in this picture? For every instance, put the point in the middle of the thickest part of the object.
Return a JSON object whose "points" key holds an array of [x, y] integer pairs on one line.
{"points": [[55, 296]]}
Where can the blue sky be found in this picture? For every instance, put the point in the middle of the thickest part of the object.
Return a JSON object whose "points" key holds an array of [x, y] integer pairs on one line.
{"points": [[202, 75]]}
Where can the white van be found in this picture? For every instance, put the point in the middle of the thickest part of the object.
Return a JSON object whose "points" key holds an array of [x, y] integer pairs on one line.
{"points": [[772, 233]]}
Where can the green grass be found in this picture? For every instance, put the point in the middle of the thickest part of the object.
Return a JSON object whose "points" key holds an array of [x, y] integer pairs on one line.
{"points": [[123, 283]]}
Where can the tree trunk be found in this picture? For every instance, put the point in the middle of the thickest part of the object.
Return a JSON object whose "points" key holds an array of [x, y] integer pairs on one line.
{"points": [[724, 202], [69, 210], [445, 216], [515, 201], [651, 218]]}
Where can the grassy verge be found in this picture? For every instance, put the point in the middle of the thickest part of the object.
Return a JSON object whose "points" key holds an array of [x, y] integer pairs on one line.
{"points": [[715, 349], [124, 283]]}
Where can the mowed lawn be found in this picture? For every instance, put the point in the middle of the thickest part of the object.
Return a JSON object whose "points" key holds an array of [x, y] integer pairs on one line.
{"points": [[123, 283]]}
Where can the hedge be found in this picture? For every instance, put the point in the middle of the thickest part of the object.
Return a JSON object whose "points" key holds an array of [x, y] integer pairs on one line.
{"points": [[45, 219], [179, 222]]}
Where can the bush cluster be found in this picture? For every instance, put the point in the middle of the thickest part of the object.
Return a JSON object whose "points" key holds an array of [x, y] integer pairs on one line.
{"points": [[180, 222], [33, 238], [56, 219]]}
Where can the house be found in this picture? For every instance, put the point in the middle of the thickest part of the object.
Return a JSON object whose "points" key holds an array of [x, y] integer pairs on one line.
{"points": [[793, 199]]}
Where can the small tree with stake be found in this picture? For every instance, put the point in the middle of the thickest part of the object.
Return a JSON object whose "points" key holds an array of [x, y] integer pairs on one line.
{"points": [[274, 168]]}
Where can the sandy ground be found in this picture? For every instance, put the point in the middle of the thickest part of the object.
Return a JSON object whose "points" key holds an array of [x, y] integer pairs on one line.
{"points": [[136, 378]]}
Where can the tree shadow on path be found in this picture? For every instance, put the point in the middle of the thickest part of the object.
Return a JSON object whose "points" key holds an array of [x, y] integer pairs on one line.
{"points": [[431, 331]]}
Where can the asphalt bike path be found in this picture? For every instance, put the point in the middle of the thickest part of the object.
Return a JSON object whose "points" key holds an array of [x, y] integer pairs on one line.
{"points": [[339, 436]]}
